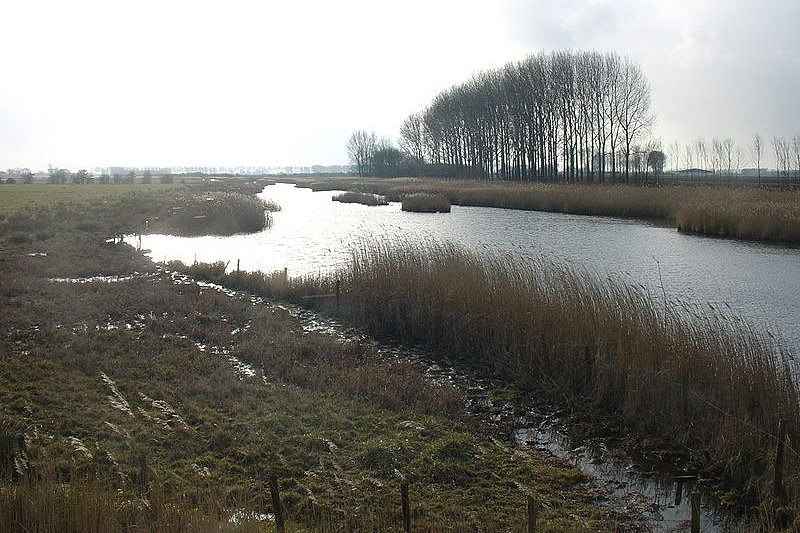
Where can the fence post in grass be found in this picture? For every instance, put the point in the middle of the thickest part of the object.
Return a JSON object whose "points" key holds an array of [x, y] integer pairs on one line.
{"points": [[338, 292], [777, 481], [406, 506], [237, 266], [695, 511], [531, 514], [276, 503]]}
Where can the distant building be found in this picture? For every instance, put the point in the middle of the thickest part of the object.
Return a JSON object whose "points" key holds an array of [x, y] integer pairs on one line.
{"points": [[694, 172]]}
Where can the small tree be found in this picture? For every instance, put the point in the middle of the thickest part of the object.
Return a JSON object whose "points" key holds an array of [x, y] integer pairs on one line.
{"points": [[81, 177], [757, 150], [655, 161]]}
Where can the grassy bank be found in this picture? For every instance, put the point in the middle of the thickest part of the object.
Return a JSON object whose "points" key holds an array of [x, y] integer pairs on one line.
{"points": [[770, 215], [154, 405], [698, 385]]}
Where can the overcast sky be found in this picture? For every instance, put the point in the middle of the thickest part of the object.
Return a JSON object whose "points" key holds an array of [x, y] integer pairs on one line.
{"points": [[150, 83]]}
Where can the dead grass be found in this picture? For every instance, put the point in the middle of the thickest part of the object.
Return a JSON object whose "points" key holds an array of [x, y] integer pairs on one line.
{"points": [[96, 376], [355, 197], [695, 379], [425, 203], [771, 215]]}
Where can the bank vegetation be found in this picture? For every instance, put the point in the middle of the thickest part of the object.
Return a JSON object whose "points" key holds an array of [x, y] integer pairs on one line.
{"points": [[753, 214]]}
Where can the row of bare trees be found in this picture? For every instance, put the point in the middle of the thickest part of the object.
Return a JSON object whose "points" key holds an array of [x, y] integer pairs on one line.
{"points": [[726, 157], [561, 115]]}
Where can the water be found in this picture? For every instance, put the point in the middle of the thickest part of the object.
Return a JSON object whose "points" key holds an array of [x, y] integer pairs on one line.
{"points": [[312, 234]]}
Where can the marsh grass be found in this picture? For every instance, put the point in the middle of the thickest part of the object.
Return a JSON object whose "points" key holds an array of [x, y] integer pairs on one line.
{"points": [[770, 215], [694, 380], [215, 213], [355, 197], [425, 203], [98, 376]]}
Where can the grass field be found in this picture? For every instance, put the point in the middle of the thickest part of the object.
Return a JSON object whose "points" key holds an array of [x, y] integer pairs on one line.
{"points": [[154, 405], [695, 385]]}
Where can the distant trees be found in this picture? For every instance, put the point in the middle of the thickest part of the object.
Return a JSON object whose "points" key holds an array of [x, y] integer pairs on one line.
{"points": [[656, 160], [573, 116], [757, 151], [360, 149]]}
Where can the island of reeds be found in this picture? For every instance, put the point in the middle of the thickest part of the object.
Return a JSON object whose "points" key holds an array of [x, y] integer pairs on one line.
{"points": [[355, 197]]}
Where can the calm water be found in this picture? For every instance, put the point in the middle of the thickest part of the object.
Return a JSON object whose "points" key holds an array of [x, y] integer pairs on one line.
{"points": [[313, 234]]}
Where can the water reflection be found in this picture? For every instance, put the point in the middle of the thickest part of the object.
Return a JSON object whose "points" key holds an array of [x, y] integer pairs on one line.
{"points": [[312, 234]]}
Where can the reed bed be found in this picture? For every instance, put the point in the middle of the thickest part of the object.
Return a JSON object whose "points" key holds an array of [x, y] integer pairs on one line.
{"points": [[426, 203], [216, 213], [769, 215], [694, 380], [355, 197]]}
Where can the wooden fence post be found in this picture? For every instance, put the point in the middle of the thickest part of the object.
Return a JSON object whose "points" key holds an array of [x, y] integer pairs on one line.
{"points": [[338, 292], [777, 480], [695, 511], [276, 503], [406, 506], [531, 514]]}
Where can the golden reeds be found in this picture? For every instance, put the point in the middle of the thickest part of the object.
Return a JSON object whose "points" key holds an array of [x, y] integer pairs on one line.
{"points": [[698, 380]]}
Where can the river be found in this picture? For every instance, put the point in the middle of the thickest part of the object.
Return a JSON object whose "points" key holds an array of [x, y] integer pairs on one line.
{"points": [[758, 282]]}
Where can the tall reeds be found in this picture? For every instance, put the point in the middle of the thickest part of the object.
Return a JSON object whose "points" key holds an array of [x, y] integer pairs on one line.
{"points": [[355, 197], [216, 213], [694, 379], [770, 215], [426, 203]]}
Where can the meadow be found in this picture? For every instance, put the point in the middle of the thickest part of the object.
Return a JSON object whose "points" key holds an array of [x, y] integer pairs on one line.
{"points": [[154, 403], [690, 384], [742, 213]]}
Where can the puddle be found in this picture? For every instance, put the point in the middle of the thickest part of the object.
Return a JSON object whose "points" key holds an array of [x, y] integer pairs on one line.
{"points": [[105, 279]]}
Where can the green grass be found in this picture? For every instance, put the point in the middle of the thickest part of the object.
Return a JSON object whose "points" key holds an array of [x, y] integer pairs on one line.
{"points": [[97, 376], [698, 384]]}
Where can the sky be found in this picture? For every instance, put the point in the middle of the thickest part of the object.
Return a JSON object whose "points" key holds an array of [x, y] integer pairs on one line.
{"points": [[87, 84]]}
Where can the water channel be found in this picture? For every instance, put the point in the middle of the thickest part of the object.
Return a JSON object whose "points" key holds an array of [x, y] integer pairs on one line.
{"points": [[756, 281]]}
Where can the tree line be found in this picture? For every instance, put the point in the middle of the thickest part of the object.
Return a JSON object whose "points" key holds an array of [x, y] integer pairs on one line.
{"points": [[566, 115], [574, 116]]}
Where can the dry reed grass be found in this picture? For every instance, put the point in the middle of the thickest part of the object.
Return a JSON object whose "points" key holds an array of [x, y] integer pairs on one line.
{"points": [[355, 197], [216, 213], [425, 203], [698, 380], [771, 215]]}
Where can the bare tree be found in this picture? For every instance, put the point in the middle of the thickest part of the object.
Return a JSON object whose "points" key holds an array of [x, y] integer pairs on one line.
{"points": [[674, 155], [412, 133], [701, 150], [781, 148], [633, 108], [757, 149], [796, 150], [361, 148], [688, 157]]}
